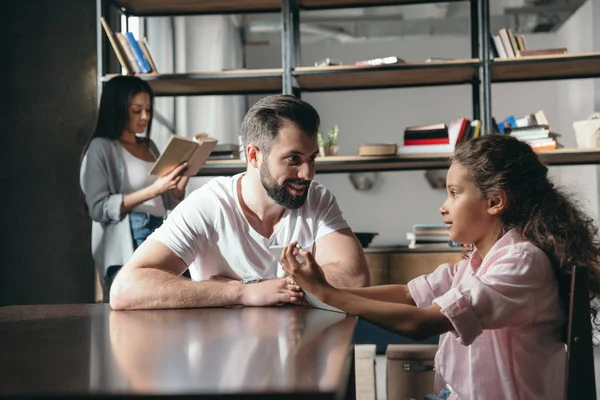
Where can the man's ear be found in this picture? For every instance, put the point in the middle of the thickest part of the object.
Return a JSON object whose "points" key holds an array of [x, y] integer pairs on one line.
{"points": [[497, 203], [254, 155]]}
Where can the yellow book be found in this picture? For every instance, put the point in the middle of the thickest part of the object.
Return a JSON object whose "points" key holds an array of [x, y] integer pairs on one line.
{"points": [[180, 149]]}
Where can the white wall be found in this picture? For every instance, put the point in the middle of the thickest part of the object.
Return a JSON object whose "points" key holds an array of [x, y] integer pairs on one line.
{"points": [[575, 100], [401, 199]]}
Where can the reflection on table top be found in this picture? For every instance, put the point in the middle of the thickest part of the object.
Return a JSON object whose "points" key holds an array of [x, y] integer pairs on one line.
{"points": [[89, 349]]}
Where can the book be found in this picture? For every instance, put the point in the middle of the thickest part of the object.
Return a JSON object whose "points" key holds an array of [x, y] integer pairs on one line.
{"points": [[377, 149], [426, 149], [542, 52], [147, 54], [380, 61], [180, 149], [138, 55], [117, 48], [128, 53]]}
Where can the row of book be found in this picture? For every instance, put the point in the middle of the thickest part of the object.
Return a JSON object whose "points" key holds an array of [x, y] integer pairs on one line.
{"points": [[533, 129], [507, 44], [425, 235], [443, 138], [133, 55]]}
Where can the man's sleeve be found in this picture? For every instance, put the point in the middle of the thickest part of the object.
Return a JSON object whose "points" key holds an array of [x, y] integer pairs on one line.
{"points": [[188, 229], [328, 216]]}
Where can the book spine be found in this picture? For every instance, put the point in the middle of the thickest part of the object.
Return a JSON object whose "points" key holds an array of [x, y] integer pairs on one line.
{"points": [[114, 42], [128, 53], [416, 142], [138, 55], [146, 50]]}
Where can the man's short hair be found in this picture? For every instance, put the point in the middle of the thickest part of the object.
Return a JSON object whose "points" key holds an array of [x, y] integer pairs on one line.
{"points": [[267, 116]]}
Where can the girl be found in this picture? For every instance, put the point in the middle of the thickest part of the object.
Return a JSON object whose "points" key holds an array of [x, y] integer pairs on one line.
{"points": [[501, 310], [125, 202]]}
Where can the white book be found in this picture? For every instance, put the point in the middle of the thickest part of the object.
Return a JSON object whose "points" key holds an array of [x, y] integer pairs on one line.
{"points": [[426, 149]]}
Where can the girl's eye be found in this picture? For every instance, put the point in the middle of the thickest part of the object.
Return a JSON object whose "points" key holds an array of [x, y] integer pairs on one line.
{"points": [[454, 193]]}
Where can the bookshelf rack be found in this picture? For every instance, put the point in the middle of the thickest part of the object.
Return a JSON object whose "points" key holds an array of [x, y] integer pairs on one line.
{"points": [[392, 76], [345, 164], [258, 81], [565, 66], [479, 72], [186, 7]]}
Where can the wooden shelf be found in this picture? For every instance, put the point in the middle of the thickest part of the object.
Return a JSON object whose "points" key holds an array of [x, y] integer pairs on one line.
{"points": [[345, 164], [256, 81], [191, 7], [386, 76], [564, 66], [328, 4]]}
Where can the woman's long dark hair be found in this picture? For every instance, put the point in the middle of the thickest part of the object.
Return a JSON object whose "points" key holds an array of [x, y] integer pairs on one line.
{"points": [[543, 213], [113, 113]]}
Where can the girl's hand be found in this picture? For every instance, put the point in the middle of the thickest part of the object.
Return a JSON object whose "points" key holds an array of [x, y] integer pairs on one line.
{"points": [[308, 274], [168, 181]]}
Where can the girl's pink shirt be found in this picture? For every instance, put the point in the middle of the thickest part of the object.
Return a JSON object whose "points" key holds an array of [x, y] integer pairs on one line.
{"points": [[508, 322]]}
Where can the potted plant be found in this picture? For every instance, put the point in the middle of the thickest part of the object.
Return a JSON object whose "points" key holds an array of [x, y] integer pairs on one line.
{"points": [[328, 145]]}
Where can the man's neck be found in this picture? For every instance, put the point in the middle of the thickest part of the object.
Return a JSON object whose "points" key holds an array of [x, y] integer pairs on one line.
{"points": [[256, 204]]}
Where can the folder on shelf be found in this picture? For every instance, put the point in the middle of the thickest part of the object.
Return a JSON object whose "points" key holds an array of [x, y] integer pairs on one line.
{"points": [[180, 149]]}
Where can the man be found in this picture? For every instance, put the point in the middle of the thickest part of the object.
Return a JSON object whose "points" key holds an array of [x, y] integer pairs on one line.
{"points": [[223, 230]]}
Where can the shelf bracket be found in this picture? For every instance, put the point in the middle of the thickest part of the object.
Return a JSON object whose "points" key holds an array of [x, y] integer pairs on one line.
{"points": [[484, 64], [290, 45]]}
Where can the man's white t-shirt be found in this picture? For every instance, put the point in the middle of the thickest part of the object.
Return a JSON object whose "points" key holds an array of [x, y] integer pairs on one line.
{"points": [[210, 233]]}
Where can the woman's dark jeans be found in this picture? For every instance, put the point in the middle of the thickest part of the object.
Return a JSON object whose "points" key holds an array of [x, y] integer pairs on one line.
{"points": [[142, 225]]}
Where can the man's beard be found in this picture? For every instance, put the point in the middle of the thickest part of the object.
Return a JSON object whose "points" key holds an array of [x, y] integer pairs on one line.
{"points": [[280, 193]]}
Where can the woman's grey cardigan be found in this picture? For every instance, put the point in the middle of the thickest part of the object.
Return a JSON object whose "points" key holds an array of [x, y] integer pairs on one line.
{"points": [[100, 178]]}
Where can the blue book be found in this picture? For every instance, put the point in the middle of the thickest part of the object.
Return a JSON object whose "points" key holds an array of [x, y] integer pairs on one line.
{"points": [[137, 53], [509, 122]]}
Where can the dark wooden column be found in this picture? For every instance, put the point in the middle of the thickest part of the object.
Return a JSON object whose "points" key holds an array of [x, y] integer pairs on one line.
{"points": [[49, 101]]}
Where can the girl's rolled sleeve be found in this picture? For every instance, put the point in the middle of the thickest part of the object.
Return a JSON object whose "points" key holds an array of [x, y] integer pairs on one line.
{"points": [[425, 288], [456, 306]]}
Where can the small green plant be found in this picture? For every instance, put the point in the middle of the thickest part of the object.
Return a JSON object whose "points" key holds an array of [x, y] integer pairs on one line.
{"points": [[331, 139]]}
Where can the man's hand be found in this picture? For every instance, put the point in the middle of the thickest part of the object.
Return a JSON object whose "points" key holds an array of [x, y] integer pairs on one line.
{"points": [[272, 292]]}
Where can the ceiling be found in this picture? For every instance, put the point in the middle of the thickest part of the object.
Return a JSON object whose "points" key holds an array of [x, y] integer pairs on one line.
{"points": [[359, 24]]}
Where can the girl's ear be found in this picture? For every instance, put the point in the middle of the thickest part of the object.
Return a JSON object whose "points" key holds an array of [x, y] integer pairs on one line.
{"points": [[253, 155], [497, 203]]}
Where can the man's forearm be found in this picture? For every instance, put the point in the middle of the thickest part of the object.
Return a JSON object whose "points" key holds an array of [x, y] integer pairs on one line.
{"points": [[149, 288]]}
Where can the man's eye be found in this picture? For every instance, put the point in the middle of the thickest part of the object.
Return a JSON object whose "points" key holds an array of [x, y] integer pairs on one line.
{"points": [[312, 158], [294, 159]]}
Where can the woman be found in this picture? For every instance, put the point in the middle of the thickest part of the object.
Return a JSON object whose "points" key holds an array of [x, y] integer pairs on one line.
{"points": [[125, 202]]}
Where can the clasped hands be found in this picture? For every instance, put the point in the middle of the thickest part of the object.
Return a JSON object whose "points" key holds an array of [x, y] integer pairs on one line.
{"points": [[289, 289]]}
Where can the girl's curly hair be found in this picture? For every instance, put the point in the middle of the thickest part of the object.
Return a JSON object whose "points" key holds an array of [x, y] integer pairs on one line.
{"points": [[541, 212]]}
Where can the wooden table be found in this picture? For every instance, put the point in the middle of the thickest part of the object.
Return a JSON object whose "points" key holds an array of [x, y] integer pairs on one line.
{"points": [[91, 350]]}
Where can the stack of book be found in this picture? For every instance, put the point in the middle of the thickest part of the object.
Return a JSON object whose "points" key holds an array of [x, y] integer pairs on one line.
{"points": [[424, 235], [507, 44], [533, 129], [438, 138], [134, 55]]}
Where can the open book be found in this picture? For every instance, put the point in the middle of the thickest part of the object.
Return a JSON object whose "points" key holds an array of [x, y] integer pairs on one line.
{"points": [[180, 149]]}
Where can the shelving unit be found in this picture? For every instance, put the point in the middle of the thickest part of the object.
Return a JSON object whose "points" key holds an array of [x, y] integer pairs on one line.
{"points": [[257, 81], [147, 8], [391, 76], [479, 72], [345, 164], [564, 66]]}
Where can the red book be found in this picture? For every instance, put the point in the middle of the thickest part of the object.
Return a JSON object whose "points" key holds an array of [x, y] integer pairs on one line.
{"points": [[415, 142]]}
